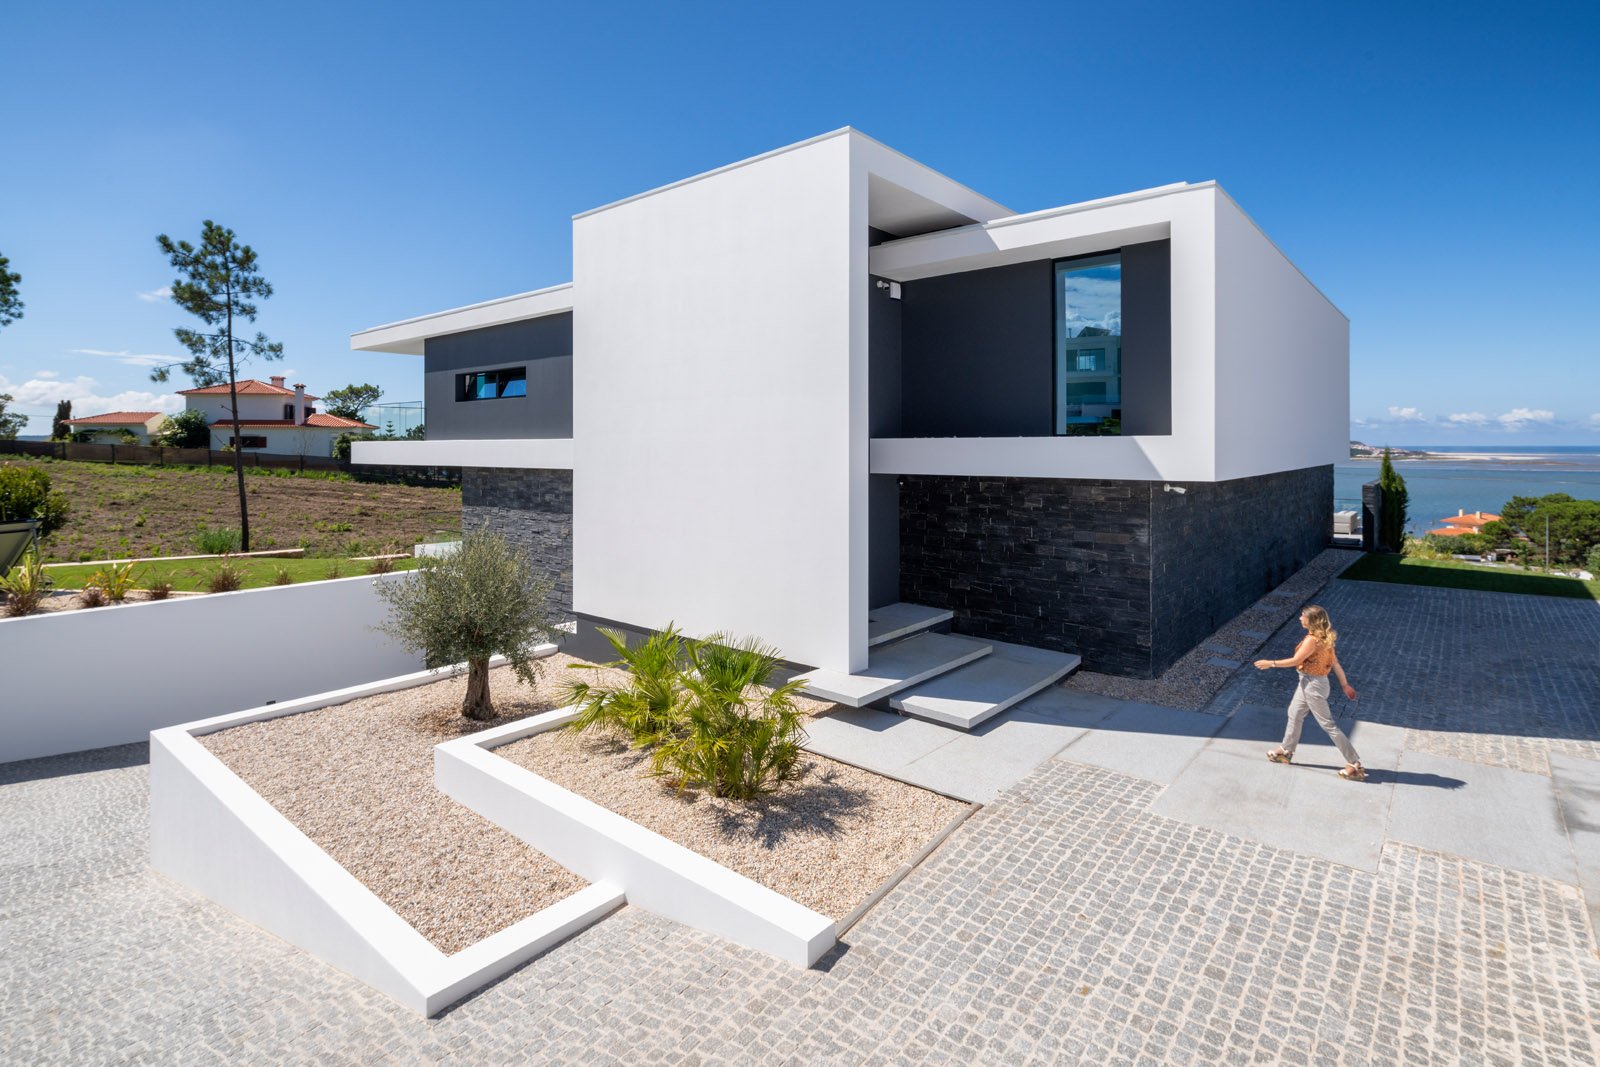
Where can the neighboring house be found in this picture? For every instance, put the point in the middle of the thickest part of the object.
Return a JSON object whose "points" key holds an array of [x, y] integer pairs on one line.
{"points": [[272, 418], [783, 396], [113, 426], [1462, 523]]}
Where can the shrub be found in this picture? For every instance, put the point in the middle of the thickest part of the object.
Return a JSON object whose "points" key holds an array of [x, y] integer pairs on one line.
{"points": [[92, 596], [335, 570], [643, 709], [159, 590], [480, 602], [25, 494], [216, 540], [732, 735], [281, 576], [226, 578], [186, 429], [380, 565], [26, 585], [114, 580], [1592, 563]]}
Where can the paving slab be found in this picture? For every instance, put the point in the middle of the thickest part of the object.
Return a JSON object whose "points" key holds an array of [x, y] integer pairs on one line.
{"points": [[1577, 787], [976, 693], [892, 621], [982, 764], [892, 668], [1144, 740], [877, 740], [1309, 810], [1253, 729], [1494, 815]]}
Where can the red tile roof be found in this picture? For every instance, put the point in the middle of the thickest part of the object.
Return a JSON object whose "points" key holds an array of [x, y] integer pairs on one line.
{"points": [[115, 418], [247, 387], [318, 421], [1456, 525]]}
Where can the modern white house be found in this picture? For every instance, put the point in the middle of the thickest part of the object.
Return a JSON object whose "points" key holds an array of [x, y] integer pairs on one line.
{"points": [[273, 418], [833, 398]]}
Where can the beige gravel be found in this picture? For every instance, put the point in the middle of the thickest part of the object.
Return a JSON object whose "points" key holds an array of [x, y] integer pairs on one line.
{"points": [[358, 780], [826, 840], [1190, 683]]}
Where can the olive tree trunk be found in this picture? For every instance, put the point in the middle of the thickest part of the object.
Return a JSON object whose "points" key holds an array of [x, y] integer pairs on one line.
{"points": [[478, 705]]}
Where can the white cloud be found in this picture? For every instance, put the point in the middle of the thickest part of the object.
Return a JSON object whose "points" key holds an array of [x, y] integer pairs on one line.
{"points": [[156, 296], [1469, 418], [1594, 421], [1517, 418], [88, 396], [46, 374], [1407, 415], [125, 357]]}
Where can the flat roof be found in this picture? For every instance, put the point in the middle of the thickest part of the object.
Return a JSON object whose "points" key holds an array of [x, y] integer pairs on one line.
{"points": [[406, 336]]}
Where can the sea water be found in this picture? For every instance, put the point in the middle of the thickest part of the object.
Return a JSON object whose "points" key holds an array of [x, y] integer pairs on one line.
{"points": [[1442, 486]]}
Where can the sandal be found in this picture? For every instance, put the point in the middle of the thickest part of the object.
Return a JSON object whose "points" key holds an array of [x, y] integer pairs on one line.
{"points": [[1354, 773], [1278, 755]]}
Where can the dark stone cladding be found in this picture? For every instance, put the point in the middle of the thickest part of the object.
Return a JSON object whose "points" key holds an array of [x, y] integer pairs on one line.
{"points": [[1123, 573], [531, 509]]}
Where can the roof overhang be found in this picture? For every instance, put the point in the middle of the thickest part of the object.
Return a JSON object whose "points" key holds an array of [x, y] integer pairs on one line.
{"points": [[407, 336]]}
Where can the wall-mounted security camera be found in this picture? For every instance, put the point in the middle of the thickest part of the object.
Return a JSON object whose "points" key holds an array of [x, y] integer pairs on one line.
{"points": [[1174, 488]]}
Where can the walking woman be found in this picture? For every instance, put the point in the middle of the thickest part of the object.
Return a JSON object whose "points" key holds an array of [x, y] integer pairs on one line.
{"points": [[1314, 658]]}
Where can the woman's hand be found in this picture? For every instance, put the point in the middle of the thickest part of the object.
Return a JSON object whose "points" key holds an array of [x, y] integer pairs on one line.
{"points": [[1263, 664], [1349, 690]]}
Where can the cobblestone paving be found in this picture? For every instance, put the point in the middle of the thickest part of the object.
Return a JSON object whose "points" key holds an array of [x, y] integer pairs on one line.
{"points": [[1491, 678], [1063, 923]]}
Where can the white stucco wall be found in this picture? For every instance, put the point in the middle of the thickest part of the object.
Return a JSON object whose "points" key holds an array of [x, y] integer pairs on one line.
{"points": [[718, 431], [286, 441], [161, 663], [1283, 358], [251, 406]]}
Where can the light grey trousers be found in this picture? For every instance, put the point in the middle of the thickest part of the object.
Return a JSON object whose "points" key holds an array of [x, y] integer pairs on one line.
{"points": [[1312, 695]]}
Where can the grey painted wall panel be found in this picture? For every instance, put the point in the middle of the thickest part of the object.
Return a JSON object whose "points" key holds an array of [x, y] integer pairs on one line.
{"points": [[883, 363], [542, 345], [1147, 338], [883, 529], [977, 353]]}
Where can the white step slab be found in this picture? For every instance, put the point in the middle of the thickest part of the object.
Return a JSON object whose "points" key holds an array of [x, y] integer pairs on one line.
{"points": [[979, 691], [895, 667], [894, 621]]}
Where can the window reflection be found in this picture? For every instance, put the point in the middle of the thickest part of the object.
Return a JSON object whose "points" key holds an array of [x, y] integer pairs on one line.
{"points": [[1089, 345]]}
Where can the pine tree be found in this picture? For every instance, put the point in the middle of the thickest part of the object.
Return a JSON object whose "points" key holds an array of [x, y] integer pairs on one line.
{"points": [[1392, 490], [59, 430], [218, 282]]}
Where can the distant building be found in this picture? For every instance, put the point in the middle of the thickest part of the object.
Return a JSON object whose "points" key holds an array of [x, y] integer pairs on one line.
{"points": [[1462, 523], [114, 425], [273, 418]]}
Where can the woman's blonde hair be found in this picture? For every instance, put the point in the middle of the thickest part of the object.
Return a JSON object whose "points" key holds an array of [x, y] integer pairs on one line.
{"points": [[1317, 622]]}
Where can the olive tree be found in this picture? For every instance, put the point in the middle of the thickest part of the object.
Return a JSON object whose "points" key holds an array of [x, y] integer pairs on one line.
{"points": [[482, 600]]}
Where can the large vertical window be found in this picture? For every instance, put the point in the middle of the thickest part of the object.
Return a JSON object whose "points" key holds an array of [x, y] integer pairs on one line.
{"points": [[1089, 345]]}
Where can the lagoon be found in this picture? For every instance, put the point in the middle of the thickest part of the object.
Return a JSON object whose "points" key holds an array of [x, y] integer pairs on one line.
{"points": [[1476, 477]]}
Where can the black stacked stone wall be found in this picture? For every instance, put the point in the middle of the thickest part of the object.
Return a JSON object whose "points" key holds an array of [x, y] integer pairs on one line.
{"points": [[531, 509], [1217, 547], [1052, 563], [1125, 574]]}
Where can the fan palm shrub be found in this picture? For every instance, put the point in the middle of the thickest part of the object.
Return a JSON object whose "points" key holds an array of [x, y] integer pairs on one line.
{"points": [[644, 708], [730, 734], [26, 585]]}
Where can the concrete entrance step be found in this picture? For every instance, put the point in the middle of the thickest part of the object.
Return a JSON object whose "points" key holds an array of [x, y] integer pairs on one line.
{"points": [[894, 621], [895, 667], [979, 691]]}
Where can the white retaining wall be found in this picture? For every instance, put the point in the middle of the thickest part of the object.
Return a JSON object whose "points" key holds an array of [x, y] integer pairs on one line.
{"points": [[216, 835], [598, 844], [75, 680]]}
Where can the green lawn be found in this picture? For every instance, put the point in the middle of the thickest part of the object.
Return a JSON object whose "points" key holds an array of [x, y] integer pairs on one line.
{"points": [[1453, 574], [192, 575]]}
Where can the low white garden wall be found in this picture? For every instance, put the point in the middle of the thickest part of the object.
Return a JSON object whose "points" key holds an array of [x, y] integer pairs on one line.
{"points": [[213, 833], [74, 680], [598, 844]]}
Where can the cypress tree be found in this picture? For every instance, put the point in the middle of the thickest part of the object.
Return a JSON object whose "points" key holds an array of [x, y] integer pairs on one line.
{"points": [[1392, 489]]}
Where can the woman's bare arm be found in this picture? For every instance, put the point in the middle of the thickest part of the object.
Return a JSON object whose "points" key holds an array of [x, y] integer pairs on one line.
{"points": [[1303, 652], [1344, 683]]}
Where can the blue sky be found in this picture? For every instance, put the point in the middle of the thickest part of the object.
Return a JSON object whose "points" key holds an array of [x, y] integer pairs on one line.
{"points": [[1433, 168]]}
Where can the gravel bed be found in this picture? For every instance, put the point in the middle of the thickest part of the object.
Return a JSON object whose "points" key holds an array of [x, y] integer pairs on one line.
{"points": [[358, 780], [1190, 683], [827, 839]]}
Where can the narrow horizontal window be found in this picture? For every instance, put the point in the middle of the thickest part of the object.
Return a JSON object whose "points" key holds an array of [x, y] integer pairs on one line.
{"points": [[492, 384]]}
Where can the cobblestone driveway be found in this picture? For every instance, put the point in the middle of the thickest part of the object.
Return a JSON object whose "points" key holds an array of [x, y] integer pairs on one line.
{"points": [[1064, 922]]}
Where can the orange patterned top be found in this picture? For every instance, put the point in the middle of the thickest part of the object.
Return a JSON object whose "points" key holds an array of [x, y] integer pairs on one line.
{"points": [[1320, 662]]}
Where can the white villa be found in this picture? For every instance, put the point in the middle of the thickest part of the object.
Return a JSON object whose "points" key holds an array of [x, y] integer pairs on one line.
{"points": [[852, 400], [273, 418]]}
